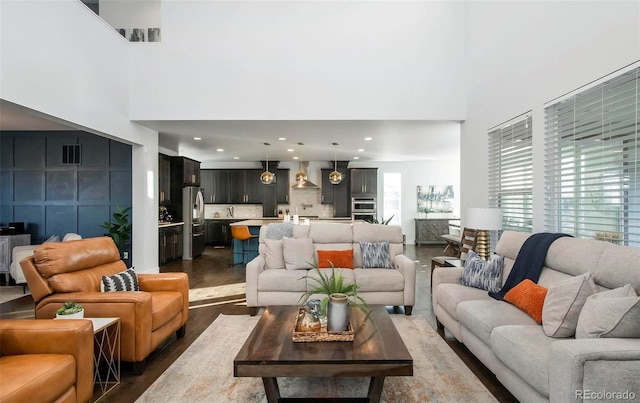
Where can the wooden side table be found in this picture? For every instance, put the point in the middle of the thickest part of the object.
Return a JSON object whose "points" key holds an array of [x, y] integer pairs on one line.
{"points": [[106, 355]]}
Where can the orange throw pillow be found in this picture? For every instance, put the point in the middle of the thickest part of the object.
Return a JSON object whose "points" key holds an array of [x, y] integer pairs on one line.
{"points": [[529, 297], [339, 258]]}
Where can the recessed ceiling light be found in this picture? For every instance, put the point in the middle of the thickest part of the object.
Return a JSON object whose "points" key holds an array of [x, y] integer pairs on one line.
{"points": [[220, 150], [290, 150], [360, 150], [368, 138], [296, 158], [356, 158], [236, 158], [197, 138], [282, 138]]}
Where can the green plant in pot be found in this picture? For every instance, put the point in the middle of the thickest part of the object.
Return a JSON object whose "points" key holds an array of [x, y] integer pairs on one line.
{"points": [[70, 310], [335, 289], [119, 229]]}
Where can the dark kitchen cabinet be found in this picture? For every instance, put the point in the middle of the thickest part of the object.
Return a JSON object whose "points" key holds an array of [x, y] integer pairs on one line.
{"points": [[164, 179], [170, 247], [245, 186], [364, 182], [218, 232], [185, 171], [282, 186], [338, 195], [215, 183]]}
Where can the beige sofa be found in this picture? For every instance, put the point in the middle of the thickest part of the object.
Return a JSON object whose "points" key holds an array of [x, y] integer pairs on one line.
{"points": [[378, 286], [534, 367]]}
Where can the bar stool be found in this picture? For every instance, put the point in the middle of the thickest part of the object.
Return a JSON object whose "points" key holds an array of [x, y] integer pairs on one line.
{"points": [[241, 233]]}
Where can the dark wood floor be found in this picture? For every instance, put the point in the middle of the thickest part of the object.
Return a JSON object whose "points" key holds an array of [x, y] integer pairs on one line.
{"points": [[212, 269]]}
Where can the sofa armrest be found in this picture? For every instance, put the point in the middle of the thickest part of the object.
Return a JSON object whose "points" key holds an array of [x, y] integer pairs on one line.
{"points": [[584, 366], [253, 270], [446, 275], [407, 267], [168, 282], [71, 336]]}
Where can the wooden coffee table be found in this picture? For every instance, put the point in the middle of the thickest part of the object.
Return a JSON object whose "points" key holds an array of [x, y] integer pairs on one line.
{"points": [[377, 351]]}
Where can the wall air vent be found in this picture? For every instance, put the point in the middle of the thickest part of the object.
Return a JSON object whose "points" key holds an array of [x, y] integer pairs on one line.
{"points": [[71, 154]]}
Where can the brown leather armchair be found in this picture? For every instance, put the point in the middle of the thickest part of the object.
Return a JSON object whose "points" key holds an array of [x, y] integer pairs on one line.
{"points": [[61, 271], [46, 360]]}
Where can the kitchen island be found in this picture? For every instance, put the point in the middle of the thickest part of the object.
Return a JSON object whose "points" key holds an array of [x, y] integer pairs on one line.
{"points": [[245, 251]]}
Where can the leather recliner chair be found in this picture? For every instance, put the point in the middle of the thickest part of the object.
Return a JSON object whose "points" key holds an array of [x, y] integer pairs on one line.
{"points": [[61, 271], [46, 360]]}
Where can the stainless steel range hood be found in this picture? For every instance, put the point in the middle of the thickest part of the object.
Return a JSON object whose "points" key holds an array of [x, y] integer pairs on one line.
{"points": [[305, 183]]}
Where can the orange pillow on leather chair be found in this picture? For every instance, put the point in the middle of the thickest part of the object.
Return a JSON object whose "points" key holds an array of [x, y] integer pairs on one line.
{"points": [[529, 297], [339, 258]]}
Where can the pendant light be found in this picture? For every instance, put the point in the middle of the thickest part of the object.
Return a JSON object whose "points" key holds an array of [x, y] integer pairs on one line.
{"points": [[267, 177], [335, 177]]}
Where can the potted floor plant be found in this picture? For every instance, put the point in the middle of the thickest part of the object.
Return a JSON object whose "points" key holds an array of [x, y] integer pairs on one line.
{"points": [[70, 310], [119, 229]]}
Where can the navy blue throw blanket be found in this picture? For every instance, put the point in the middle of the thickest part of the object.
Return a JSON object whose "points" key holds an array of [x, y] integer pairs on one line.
{"points": [[529, 261]]}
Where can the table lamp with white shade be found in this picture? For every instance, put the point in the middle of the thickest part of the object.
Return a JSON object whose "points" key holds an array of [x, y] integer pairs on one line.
{"points": [[483, 220]]}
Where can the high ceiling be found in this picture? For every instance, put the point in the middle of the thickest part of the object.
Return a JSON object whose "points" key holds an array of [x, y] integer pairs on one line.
{"points": [[243, 141]]}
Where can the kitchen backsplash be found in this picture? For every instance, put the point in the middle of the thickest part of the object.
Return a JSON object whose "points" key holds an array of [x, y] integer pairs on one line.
{"points": [[304, 202]]}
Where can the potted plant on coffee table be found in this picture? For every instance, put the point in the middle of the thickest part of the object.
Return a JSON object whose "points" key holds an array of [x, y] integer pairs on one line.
{"points": [[70, 310], [336, 292]]}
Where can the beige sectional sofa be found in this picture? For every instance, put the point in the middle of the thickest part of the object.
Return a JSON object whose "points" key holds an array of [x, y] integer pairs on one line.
{"points": [[534, 367], [378, 286]]}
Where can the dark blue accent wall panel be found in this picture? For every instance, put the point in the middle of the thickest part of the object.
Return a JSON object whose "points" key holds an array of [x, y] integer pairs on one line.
{"points": [[61, 186], [28, 186], [62, 218], [53, 197], [94, 185], [28, 151], [90, 219]]}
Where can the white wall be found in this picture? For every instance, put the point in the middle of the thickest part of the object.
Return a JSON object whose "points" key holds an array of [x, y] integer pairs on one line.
{"points": [[60, 59], [520, 55], [303, 60]]}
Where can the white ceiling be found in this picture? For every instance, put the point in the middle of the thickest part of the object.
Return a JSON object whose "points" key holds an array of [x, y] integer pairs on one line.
{"points": [[390, 140]]}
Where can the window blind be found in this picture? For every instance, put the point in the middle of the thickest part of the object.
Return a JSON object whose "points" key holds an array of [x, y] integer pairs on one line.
{"points": [[592, 162], [511, 173]]}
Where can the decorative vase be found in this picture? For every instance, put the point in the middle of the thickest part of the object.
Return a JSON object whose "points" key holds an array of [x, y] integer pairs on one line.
{"points": [[337, 313], [77, 315]]}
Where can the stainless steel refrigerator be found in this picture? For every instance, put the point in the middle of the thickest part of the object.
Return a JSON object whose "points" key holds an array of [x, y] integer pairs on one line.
{"points": [[193, 217]]}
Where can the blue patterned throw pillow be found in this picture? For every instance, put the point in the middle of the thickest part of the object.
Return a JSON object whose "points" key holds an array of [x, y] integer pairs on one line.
{"points": [[124, 281], [486, 275], [375, 255]]}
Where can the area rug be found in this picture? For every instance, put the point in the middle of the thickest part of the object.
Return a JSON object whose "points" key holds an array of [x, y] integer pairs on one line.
{"points": [[220, 291], [9, 293], [204, 372]]}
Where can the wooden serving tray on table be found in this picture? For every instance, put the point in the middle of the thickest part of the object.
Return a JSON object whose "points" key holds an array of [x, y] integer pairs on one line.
{"points": [[322, 335]]}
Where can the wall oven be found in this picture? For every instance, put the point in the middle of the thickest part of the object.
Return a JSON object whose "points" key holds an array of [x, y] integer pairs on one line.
{"points": [[363, 208]]}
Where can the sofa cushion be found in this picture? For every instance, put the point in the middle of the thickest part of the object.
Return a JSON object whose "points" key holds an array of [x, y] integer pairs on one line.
{"points": [[84, 280], [335, 258], [64, 257], [164, 306], [618, 266], [379, 280], [563, 304], [329, 233], [449, 295], [36, 377], [486, 275], [273, 254], [525, 350], [613, 313], [375, 255], [298, 253], [282, 280], [529, 297], [124, 281], [481, 317]]}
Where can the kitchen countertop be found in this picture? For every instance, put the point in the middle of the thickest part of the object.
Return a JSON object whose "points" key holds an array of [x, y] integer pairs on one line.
{"points": [[170, 224], [255, 222]]}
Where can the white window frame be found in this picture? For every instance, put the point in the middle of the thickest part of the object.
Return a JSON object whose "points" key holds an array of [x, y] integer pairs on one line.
{"points": [[592, 163], [511, 172]]}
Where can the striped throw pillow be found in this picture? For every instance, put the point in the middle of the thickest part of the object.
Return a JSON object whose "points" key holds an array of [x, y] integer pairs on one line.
{"points": [[486, 275], [123, 281]]}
